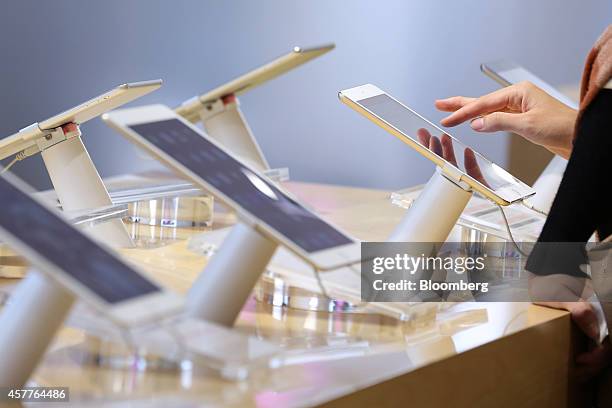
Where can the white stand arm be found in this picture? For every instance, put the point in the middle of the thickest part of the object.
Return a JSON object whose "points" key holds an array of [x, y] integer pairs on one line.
{"points": [[221, 290], [431, 218], [79, 186], [435, 212], [28, 324], [224, 121]]}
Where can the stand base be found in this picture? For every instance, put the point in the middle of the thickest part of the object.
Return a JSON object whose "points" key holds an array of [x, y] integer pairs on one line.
{"points": [[272, 288], [97, 352], [275, 291]]}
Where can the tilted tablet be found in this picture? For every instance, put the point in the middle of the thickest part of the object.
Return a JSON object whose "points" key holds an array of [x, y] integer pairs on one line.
{"points": [[79, 114], [258, 202], [457, 161], [89, 270], [298, 56]]}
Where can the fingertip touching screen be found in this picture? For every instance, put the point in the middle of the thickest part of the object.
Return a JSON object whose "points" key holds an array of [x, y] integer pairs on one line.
{"points": [[449, 149], [69, 250], [252, 193]]}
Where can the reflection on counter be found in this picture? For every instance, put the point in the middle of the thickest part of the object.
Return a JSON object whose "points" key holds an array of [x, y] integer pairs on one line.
{"points": [[306, 337]]}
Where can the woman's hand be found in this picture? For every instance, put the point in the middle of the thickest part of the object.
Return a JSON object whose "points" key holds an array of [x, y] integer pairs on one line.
{"points": [[597, 357], [523, 109]]}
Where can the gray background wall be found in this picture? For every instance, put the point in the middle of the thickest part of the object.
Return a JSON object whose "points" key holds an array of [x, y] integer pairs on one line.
{"points": [[56, 54]]}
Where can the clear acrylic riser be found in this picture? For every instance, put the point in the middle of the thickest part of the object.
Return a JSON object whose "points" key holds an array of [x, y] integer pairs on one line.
{"points": [[160, 209], [165, 210], [104, 366], [482, 222], [156, 207]]}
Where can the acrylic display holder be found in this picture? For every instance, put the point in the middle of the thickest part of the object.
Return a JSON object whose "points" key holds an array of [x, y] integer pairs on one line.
{"points": [[481, 222], [341, 292], [176, 345], [25, 335], [290, 282], [163, 199]]}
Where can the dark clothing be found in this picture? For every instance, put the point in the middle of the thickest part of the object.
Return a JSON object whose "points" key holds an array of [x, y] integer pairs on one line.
{"points": [[583, 203]]}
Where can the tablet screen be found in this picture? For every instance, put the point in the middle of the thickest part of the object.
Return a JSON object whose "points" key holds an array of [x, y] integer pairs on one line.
{"points": [[69, 250], [254, 194], [446, 147]]}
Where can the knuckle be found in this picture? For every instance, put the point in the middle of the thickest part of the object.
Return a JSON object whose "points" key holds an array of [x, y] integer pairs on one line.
{"points": [[529, 123]]}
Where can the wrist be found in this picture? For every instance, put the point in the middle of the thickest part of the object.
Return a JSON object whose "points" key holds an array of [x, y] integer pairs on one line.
{"points": [[563, 144]]}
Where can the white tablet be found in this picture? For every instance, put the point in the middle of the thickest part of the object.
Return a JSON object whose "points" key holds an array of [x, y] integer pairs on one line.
{"points": [[258, 202], [89, 270], [79, 114], [298, 56], [453, 157]]}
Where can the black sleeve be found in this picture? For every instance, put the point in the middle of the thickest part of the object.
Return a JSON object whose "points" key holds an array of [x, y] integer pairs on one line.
{"points": [[582, 204]]}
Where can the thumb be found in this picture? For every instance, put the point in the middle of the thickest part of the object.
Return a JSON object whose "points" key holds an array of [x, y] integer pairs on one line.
{"points": [[499, 121]]}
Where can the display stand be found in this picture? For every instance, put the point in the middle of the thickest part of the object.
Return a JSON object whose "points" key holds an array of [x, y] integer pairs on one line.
{"points": [[220, 291], [39, 305], [36, 311], [225, 284], [223, 120], [435, 212], [431, 218], [78, 186]]}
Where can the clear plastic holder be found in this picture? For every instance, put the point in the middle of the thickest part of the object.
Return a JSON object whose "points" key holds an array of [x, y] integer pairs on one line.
{"points": [[158, 184], [161, 198], [482, 221], [176, 345], [96, 216], [192, 385], [291, 282], [167, 201], [153, 204], [184, 344]]}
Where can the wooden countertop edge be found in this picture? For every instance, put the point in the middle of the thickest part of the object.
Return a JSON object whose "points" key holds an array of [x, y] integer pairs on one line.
{"points": [[504, 359]]}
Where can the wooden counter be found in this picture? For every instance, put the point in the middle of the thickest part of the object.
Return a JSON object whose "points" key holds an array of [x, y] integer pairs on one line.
{"points": [[493, 354]]}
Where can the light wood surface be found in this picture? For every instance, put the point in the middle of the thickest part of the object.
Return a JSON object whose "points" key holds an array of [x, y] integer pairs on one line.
{"points": [[473, 355]]}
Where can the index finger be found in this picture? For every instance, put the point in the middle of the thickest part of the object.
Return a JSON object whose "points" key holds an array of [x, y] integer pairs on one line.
{"points": [[453, 103], [495, 101]]}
